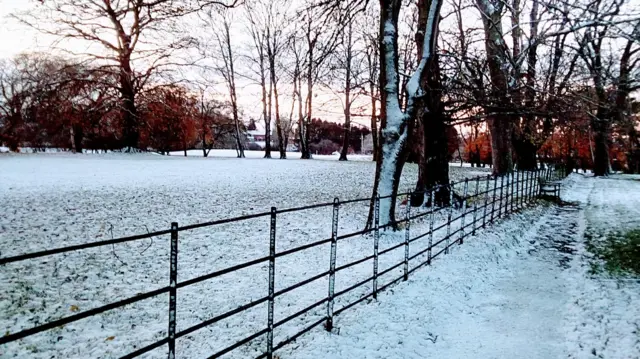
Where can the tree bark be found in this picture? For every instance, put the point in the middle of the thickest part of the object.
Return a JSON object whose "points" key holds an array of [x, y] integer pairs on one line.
{"points": [[501, 155], [281, 145], [347, 98], [501, 82], [266, 116], [306, 154], [396, 123], [600, 125], [433, 162], [231, 78], [130, 125]]}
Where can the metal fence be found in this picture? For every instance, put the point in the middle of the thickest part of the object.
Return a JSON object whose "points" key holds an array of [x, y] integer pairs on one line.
{"points": [[483, 200]]}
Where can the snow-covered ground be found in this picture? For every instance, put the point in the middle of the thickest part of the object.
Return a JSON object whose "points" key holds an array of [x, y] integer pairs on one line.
{"points": [[519, 290], [54, 200]]}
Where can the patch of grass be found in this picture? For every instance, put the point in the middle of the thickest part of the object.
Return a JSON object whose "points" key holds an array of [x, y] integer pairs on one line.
{"points": [[620, 253]]}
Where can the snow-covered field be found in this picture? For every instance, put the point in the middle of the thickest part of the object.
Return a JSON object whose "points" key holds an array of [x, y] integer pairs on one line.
{"points": [[54, 200], [519, 289]]}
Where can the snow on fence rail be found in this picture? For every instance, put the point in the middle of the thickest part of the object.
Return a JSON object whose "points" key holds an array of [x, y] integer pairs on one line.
{"points": [[483, 201]]}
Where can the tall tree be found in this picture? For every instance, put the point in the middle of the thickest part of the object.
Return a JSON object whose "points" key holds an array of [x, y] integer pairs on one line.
{"points": [[397, 123], [502, 81], [228, 72], [257, 30], [131, 54], [434, 156], [349, 61], [609, 74]]}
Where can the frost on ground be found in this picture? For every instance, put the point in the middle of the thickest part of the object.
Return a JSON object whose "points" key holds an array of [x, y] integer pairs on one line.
{"points": [[55, 200], [518, 290]]}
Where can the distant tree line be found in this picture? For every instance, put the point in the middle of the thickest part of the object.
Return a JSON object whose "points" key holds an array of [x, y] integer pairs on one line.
{"points": [[49, 102]]}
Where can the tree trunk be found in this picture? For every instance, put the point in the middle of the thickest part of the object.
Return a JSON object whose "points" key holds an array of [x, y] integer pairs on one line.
{"points": [[374, 91], [281, 144], [501, 155], [374, 128], [265, 116], [306, 153], [525, 151], [433, 160], [347, 98], [501, 83], [397, 125], [303, 126], [130, 125], [600, 125], [78, 136]]}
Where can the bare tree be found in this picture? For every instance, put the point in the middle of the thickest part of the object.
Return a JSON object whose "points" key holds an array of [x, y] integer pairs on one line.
{"points": [[397, 123], [321, 34], [220, 23], [133, 54], [609, 74], [372, 55], [257, 30], [349, 61]]}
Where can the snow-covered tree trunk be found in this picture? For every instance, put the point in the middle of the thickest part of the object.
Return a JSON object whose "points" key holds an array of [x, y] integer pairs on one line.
{"points": [[396, 124], [433, 161]]}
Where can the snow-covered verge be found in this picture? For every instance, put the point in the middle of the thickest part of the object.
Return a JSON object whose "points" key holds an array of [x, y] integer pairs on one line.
{"points": [[518, 290], [603, 319], [54, 200]]}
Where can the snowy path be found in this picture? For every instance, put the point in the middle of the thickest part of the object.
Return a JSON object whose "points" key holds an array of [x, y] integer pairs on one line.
{"points": [[518, 290]]}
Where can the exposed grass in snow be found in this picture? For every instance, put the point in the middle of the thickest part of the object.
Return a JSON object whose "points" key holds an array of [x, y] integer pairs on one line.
{"points": [[619, 254]]}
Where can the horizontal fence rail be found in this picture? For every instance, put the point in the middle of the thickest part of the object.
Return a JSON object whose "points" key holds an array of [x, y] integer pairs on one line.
{"points": [[479, 200]]}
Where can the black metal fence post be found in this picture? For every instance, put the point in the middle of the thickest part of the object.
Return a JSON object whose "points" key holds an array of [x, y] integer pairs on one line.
{"points": [[332, 263], [486, 201], [449, 212], [464, 210], [407, 230], [525, 190], [508, 193], [516, 197], [431, 219], [475, 207], [272, 274], [534, 181], [501, 196], [523, 183], [493, 198], [173, 279], [376, 241], [506, 196], [513, 194]]}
